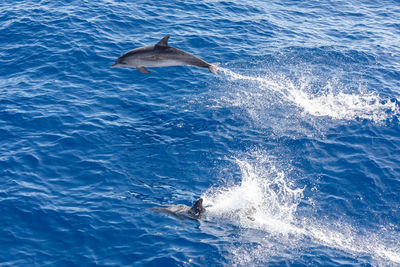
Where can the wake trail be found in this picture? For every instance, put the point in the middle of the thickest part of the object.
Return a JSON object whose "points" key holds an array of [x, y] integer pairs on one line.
{"points": [[265, 199], [331, 100]]}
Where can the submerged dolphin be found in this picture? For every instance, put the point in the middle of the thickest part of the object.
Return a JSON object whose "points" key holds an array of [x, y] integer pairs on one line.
{"points": [[160, 55], [184, 212]]}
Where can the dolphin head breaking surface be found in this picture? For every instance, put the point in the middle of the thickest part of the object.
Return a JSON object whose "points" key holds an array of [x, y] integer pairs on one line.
{"points": [[184, 212], [160, 55]]}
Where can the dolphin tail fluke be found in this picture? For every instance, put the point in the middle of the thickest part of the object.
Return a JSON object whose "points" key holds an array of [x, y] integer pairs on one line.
{"points": [[213, 68]]}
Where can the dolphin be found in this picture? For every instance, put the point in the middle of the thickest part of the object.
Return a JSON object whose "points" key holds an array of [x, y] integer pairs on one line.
{"points": [[160, 55], [184, 212]]}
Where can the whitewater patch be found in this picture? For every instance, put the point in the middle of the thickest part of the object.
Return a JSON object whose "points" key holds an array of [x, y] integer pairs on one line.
{"points": [[264, 204], [331, 100]]}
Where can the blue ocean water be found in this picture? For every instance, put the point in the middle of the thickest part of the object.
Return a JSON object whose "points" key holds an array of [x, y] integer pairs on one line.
{"points": [[294, 146]]}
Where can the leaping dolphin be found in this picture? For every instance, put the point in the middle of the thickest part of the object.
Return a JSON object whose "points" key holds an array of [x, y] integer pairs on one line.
{"points": [[184, 212], [160, 55]]}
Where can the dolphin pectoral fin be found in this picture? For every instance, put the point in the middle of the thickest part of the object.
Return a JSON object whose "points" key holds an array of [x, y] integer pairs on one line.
{"points": [[163, 42], [143, 70], [213, 68]]}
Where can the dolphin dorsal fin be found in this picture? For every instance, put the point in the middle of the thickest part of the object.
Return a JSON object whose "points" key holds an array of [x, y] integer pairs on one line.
{"points": [[163, 42], [198, 204], [197, 208]]}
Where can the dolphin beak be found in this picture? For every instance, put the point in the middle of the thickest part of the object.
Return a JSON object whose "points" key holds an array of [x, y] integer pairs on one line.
{"points": [[114, 65]]}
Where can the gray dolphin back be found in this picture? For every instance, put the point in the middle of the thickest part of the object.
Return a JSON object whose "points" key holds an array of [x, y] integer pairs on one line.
{"points": [[160, 55], [182, 211]]}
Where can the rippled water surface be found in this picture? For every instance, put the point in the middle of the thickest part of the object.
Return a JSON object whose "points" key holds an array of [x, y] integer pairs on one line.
{"points": [[294, 145]]}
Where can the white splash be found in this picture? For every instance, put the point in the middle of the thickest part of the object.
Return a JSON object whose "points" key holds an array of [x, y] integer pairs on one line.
{"points": [[331, 100], [264, 190], [265, 200]]}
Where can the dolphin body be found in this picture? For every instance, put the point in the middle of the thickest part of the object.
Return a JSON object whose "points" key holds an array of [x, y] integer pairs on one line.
{"points": [[184, 212], [160, 55]]}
